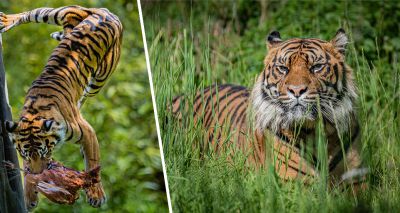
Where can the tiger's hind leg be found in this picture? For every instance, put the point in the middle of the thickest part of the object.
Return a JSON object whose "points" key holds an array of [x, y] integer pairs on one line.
{"points": [[91, 152]]}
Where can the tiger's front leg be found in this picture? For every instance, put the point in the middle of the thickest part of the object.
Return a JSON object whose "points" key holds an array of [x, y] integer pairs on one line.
{"points": [[91, 153]]}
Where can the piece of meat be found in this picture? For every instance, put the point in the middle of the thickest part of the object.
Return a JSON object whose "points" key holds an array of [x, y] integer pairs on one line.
{"points": [[61, 184]]}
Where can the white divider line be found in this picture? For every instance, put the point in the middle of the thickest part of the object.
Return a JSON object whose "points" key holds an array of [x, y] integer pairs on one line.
{"points": [[154, 105]]}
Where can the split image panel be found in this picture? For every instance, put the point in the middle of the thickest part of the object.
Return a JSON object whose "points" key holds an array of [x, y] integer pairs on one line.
{"points": [[199, 106], [277, 106]]}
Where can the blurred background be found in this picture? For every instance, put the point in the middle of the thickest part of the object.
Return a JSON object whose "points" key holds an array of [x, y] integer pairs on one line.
{"points": [[194, 44], [121, 114]]}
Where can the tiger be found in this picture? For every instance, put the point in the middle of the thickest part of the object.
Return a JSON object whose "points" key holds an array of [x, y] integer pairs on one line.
{"points": [[87, 54], [304, 83]]}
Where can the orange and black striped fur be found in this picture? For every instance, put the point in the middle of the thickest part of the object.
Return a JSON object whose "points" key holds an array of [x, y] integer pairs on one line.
{"points": [[278, 117], [83, 61]]}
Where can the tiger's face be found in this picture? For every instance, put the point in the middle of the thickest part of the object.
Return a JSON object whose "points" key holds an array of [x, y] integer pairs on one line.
{"points": [[300, 77], [35, 135]]}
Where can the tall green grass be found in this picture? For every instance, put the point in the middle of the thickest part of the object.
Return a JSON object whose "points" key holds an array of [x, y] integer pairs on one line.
{"points": [[185, 58]]}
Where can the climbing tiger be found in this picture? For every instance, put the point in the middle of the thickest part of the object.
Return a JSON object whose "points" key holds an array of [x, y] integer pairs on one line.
{"points": [[304, 81], [86, 56]]}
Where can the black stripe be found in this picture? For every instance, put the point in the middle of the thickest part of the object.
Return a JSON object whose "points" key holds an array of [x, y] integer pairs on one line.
{"points": [[233, 89], [94, 86], [239, 117], [339, 156], [78, 67], [289, 166], [56, 80], [202, 94], [36, 86], [233, 116], [228, 94], [46, 107], [72, 13], [81, 133], [336, 70], [290, 49], [72, 132], [68, 26], [45, 18], [227, 106], [344, 80], [327, 71], [37, 16], [327, 57], [79, 47], [313, 53], [315, 43], [290, 43], [56, 17]]}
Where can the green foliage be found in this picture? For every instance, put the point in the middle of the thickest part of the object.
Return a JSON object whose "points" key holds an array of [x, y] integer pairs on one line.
{"points": [[195, 44], [122, 114]]}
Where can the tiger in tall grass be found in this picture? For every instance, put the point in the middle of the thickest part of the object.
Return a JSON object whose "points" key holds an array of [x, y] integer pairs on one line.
{"points": [[277, 119], [86, 56]]}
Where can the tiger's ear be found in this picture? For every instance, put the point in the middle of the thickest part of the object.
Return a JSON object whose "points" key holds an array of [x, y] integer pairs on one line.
{"points": [[10, 126], [273, 39], [47, 125], [340, 41]]}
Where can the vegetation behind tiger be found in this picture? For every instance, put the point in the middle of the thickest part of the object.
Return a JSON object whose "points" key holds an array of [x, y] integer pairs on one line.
{"points": [[196, 44]]}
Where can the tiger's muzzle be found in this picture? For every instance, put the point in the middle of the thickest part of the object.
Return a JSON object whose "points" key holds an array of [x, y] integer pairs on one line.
{"points": [[37, 164]]}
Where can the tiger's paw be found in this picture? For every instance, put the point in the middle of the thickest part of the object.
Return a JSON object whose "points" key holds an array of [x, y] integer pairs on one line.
{"points": [[57, 35], [8, 21], [3, 20], [95, 195]]}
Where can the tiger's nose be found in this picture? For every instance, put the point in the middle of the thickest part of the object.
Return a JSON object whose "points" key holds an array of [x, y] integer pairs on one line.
{"points": [[297, 90]]}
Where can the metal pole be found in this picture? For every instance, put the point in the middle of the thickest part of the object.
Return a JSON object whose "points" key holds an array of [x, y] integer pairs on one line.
{"points": [[11, 192]]}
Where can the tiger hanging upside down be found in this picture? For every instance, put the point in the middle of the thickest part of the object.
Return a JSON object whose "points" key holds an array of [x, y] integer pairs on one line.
{"points": [[85, 58], [281, 112]]}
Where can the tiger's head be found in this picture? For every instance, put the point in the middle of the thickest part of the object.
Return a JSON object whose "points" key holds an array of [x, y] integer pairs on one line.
{"points": [[300, 77], [40, 128]]}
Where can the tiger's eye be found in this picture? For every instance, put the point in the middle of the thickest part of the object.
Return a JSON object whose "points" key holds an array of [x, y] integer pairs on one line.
{"points": [[317, 67], [283, 69]]}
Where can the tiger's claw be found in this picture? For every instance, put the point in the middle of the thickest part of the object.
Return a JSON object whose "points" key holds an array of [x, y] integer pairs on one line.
{"points": [[3, 18], [95, 195]]}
